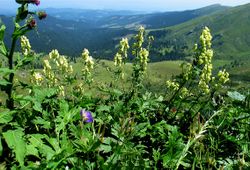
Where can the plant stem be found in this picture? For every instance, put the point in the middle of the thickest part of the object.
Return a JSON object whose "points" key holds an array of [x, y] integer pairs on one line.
{"points": [[10, 100]]}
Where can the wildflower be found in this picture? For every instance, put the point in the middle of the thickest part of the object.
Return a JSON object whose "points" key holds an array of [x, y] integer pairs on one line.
{"points": [[143, 55], [37, 78], [25, 45], [172, 85], [41, 15], [205, 59], [31, 23], [223, 76], [88, 62], [118, 60], [61, 91], [86, 116], [139, 39], [79, 89], [54, 54], [121, 56], [36, 2], [47, 65], [124, 46]]}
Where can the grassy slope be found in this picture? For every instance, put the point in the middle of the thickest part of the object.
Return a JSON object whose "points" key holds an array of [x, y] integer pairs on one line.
{"points": [[231, 38], [230, 29], [156, 72]]}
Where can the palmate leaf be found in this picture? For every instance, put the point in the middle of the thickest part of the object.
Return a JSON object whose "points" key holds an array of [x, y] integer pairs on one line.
{"points": [[15, 141], [31, 150], [6, 116], [37, 141]]}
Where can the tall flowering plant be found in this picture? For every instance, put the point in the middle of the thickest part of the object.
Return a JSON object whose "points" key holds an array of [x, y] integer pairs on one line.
{"points": [[141, 59], [30, 23]]}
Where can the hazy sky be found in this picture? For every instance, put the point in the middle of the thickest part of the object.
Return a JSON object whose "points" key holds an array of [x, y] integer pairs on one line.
{"points": [[141, 5]]}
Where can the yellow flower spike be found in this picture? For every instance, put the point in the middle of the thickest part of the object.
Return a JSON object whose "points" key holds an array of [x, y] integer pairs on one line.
{"points": [[25, 45]]}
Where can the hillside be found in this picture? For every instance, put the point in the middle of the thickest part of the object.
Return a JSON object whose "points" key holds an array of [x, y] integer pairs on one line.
{"points": [[157, 20], [70, 31], [230, 29]]}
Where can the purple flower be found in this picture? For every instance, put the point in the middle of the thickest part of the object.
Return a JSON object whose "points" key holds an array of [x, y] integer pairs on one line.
{"points": [[41, 15], [86, 116], [37, 2]]}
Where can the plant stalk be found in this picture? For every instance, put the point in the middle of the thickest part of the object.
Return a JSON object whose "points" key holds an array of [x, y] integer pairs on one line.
{"points": [[10, 100]]}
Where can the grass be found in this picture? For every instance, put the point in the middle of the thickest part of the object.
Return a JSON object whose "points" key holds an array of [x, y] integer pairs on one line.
{"points": [[157, 73], [230, 29]]}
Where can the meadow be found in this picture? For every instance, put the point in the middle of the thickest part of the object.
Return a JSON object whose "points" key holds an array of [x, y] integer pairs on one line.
{"points": [[122, 114]]}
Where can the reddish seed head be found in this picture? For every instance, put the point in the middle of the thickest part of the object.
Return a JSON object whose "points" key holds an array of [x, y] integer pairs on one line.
{"points": [[42, 15], [31, 24]]}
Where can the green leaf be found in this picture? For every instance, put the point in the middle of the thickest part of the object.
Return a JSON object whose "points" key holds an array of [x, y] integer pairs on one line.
{"points": [[117, 92], [31, 150], [236, 96], [38, 106], [2, 30], [105, 148], [37, 141], [186, 165], [41, 94], [6, 116], [3, 49], [15, 141], [6, 71], [53, 142], [4, 83], [103, 108], [40, 121], [95, 145]]}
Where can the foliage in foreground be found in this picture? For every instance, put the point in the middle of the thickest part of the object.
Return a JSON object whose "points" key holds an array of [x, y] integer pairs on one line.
{"points": [[57, 123]]}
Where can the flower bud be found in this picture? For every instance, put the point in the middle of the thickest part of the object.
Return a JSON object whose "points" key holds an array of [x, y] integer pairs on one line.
{"points": [[41, 15], [31, 23]]}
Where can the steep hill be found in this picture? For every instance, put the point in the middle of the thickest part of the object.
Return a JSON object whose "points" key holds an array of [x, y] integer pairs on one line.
{"points": [[230, 29], [70, 37]]}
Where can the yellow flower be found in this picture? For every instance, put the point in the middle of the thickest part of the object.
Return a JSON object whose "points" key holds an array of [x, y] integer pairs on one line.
{"points": [[25, 45]]}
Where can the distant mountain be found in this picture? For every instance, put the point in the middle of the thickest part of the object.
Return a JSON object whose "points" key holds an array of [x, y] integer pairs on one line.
{"points": [[70, 37], [230, 29], [100, 31], [89, 15], [157, 20]]}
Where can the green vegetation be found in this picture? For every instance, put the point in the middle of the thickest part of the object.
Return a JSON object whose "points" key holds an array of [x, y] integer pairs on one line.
{"points": [[230, 33], [99, 31], [64, 115]]}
